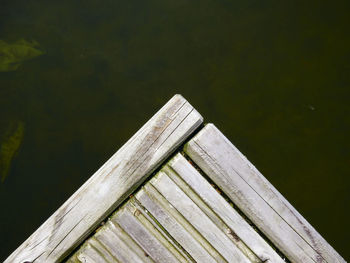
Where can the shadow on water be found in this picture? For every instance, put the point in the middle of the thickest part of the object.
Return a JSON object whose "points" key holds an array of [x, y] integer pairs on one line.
{"points": [[274, 76]]}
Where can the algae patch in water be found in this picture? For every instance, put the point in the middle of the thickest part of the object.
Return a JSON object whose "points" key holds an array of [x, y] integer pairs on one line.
{"points": [[9, 147], [13, 54]]}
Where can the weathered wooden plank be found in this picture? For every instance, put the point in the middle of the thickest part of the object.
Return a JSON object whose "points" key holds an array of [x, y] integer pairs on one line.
{"points": [[90, 255], [186, 236], [197, 218], [111, 184], [120, 245], [151, 241], [218, 210], [257, 198], [114, 249], [143, 215], [116, 241], [153, 227], [96, 244], [211, 215]]}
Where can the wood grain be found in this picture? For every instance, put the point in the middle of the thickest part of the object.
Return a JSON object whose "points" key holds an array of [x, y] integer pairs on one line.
{"points": [[129, 236], [152, 241], [219, 211], [111, 184], [174, 223], [258, 199], [201, 222]]}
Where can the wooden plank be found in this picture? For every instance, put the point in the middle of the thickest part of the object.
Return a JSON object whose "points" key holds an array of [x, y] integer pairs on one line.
{"points": [[218, 210], [96, 244], [113, 246], [211, 215], [154, 228], [111, 184], [257, 198], [174, 223], [197, 218], [115, 241], [151, 241], [90, 255], [120, 245]]}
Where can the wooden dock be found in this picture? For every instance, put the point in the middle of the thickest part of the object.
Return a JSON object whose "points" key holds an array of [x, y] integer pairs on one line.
{"points": [[177, 191]]}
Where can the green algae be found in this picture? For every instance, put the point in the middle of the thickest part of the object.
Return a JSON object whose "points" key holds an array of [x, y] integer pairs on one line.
{"points": [[12, 55], [9, 147]]}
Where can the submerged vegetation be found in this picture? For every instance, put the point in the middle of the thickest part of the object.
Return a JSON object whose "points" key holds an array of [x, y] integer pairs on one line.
{"points": [[13, 54], [9, 147]]}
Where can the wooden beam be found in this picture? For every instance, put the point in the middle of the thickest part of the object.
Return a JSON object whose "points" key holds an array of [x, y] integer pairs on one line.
{"points": [[177, 226], [258, 199], [219, 211], [111, 184], [147, 236], [198, 219]]}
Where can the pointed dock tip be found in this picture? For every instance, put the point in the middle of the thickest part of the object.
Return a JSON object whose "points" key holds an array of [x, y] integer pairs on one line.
{"points": [[178, 96]]}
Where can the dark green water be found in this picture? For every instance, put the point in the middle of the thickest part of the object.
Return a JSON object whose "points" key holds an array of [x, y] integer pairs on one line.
{"points": [[274, 76]]}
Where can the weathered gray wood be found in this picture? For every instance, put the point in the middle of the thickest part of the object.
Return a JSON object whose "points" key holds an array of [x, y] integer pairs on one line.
{"points": [[198, 218], [169, 218], [154, 228], [153, 225], [152, 241], [258, 199], [218, 210], [98, 245], [130, 237], [211, 215], [91, 255], [111, 184], [129, 224], [120, 245], [111, 247], [186, 236]]}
